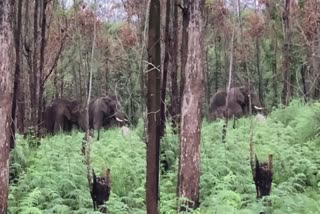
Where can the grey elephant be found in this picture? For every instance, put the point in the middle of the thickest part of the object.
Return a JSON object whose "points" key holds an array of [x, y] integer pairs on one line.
{"points": [[58, 116], [103, 110], [238, 103]]}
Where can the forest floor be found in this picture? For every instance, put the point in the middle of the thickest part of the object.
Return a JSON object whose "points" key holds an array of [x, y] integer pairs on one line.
{"points": [[51, 177]]}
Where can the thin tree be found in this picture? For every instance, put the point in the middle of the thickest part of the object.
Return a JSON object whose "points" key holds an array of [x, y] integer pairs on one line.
{"points": [[165, 69], [175, 100], [16, 73], [184, 46], [6, 92], [189, 160], [286, 90], [153, 108], [41, 67]]}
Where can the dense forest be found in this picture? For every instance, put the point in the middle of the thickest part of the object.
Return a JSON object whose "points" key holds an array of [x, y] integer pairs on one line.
{"points": [[160, 106]]}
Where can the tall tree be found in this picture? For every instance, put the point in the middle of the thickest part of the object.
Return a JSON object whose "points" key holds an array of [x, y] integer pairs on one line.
{"points": [[6, 92], [175, 100], [189, 161], [184, 46], [41, 68], [16, 73], [286, 90], [165, 69], [153, 108]]}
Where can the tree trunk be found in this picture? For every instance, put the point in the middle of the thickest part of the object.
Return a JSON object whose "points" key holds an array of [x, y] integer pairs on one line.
{"points": [[184, 46], [34, 83], [165, 70], [217, 48], [175, 100], [303, 70], [16, 84], [286, 91], [6, 89], [189, 161], [41, 67], [153, 107], [260, 83], [274, 70]]}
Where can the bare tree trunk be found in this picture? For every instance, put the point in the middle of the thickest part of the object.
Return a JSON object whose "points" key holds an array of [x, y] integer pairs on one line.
{"points": [[165, 70], [275, 70], [189, 160], [286, 91], [6, 89], [175, 100], [34, 83], [260, 79], [184, 46], [41, 67], [21, 101], [217, 63], [16, 84], [153, 108]]}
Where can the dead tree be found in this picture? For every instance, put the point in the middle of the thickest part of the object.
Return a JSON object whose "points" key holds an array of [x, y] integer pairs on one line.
{"points": [[100, 190], [262, 176]]}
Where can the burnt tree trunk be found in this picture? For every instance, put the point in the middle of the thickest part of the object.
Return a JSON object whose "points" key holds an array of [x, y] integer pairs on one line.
{"points": [[175, 100], [189, 160], [262, 176], [16, 74], [286, 91], [165, 70], [153, 108], [6, 93]]}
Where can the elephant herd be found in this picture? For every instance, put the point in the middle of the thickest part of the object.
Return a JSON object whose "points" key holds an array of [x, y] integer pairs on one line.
{"points": [[63, 114], [235, 103]]}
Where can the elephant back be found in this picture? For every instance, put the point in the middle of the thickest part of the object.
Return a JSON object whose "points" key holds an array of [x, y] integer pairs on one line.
{"points": [[218, 100]]}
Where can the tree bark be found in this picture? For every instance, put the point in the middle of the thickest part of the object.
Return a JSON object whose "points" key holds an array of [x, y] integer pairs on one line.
{"points": [[274, 69], [153, 108], [184, 45], [6, 94], [286, 91], [34, 83], [41, 67], [16, 84], [165, 70], [189, 160], [175, 100]]}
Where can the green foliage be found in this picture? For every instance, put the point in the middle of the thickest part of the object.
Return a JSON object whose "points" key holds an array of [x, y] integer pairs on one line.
{"points": [[52, 177]]}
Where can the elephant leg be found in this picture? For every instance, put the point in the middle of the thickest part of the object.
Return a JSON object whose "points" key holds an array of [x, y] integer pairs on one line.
{"points": [[235, 122], [97, 123], [58, 126]]}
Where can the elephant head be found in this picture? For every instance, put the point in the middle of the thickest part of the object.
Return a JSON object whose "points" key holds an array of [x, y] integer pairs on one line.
{"points": [[103, 110], [242, 96]]}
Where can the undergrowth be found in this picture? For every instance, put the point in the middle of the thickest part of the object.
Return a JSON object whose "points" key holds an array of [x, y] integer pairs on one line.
{"points": [[51, 177]]}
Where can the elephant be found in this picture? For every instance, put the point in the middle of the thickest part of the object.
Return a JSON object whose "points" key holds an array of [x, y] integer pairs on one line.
{"points": [[238, 103], [64, 114], [103, 110], [58, 116]]}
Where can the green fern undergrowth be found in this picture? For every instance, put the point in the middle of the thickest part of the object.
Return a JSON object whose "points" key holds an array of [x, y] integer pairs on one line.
{"points": [[51, 177]]}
